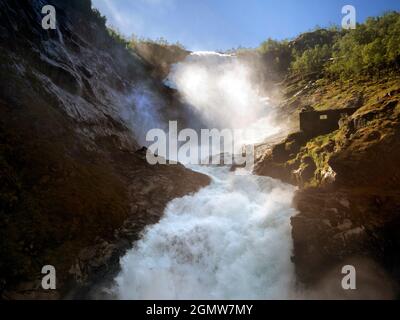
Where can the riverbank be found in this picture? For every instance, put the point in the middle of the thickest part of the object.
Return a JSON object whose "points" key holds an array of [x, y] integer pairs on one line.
{"points": [[349, 194]]}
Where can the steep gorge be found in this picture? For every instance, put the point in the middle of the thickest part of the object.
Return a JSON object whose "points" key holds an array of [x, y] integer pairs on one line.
{"points": [[349, 197], [74, 189]]}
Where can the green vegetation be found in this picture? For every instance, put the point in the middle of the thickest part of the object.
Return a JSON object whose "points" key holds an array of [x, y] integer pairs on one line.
{"points": [[311, 60], [158, 53], [371, 48], [277, 54], [101, 20], [118, 37], [319, 150]]}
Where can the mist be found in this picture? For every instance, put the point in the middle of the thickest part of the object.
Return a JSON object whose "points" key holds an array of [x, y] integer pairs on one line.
{"points": [[231, 240], [142, 110], [222, 91]]}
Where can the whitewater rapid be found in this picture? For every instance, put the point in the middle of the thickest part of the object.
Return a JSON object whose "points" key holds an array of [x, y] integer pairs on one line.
{"points": [[230, 240]]}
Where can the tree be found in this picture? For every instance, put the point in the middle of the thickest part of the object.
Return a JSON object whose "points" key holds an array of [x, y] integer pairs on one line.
{"points": [[312, 60], [277, 54]]}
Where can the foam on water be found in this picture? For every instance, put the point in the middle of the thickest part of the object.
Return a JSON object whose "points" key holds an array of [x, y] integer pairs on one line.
{"points": [[230, 240]]}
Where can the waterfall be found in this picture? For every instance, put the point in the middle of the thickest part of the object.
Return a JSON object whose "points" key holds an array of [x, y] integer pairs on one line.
{"points": [[232, 239], [223, 92]]}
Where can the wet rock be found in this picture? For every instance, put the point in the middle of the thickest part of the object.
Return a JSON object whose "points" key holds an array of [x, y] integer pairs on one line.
{"points": [[85, 193], [351, 210]]}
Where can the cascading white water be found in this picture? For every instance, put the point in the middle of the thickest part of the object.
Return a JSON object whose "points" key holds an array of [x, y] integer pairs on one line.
{"points": [[221, 89], [230, 240]]}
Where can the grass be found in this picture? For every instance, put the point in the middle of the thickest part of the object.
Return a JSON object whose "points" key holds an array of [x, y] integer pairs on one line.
{"points": [[327, 94], [319, 150]]}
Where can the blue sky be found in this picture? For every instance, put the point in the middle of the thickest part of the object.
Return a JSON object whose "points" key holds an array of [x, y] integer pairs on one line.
{"points": [[225, 24]]}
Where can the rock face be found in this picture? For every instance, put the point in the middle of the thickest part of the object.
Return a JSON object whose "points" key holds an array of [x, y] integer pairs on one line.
{"points": [[280, 161], [74, 190], [344, 227], [348, 201]]}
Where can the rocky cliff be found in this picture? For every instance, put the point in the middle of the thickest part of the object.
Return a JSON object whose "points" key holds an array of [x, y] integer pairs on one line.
{"points": [[74, 189], [349, 196]]}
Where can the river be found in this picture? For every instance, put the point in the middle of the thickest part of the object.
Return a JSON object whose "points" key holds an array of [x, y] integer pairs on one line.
{"points": [[230, 240]]}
